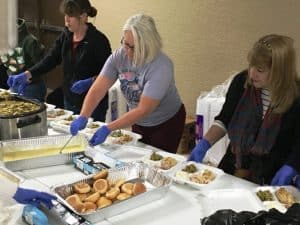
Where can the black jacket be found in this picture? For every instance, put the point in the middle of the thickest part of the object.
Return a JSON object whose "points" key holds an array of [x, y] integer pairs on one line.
{"points": [[286, 149], [91, 54]]}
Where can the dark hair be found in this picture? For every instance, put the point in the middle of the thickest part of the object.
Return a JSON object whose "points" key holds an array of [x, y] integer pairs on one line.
{"points": [[77, 7]]}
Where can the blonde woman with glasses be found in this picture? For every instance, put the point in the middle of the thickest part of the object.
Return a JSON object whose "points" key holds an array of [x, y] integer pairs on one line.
{"points": [[146, 77], [261, 117]]}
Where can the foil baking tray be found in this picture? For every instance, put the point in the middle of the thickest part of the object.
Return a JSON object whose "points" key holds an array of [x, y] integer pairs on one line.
{"points": [[156, 182], [9, 175], [35, 152]]}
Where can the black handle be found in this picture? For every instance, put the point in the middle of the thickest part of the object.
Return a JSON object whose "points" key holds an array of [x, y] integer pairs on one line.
{"points": [[29, 121]]}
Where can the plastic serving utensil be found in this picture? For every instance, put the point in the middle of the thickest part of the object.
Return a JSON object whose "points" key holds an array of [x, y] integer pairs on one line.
{"points": [[63, 147]]}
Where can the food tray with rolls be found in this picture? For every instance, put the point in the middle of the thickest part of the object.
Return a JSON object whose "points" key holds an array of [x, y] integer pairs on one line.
{"points": [[154, 184]]}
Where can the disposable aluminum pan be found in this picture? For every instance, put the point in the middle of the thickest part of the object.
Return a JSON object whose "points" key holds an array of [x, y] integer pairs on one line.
{"points": [[31, 153], [157, 185]]}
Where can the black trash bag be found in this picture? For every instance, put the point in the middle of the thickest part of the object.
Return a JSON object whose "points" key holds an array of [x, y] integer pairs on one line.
{"points": [[271, 217]]}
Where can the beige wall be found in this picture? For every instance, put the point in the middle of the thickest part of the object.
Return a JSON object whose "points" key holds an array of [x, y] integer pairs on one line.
{"points": [[207, 39]]}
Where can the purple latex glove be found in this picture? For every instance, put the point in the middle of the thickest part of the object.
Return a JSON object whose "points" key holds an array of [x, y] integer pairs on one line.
{"points": [[100, 136], [284, 176], [199, 151], [82, 85], [78, 124], [28, 196], [18, 82]]}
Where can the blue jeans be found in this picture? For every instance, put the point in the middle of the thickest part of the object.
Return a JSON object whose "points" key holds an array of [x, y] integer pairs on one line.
{"points": [[99, 113], [36, 90]]}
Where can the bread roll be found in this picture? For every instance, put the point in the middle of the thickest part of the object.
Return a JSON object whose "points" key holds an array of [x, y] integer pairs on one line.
{"points": [[75, 202], [93, 197], [101, 175], [103, 202], [101, 186], [127, 188], [138, 188], [118, 183], [112, 193], [123, 196], [82, 188], [89, 207]]}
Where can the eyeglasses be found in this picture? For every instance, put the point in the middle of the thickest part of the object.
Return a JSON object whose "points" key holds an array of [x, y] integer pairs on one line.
{"points": [[126, 45]]}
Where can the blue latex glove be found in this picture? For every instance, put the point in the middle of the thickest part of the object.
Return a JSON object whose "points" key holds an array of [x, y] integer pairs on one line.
{"points": [[28, 196], [284, 176], [18, 82], [82, 86], [78, 124], [100, 136], [199, 151]]}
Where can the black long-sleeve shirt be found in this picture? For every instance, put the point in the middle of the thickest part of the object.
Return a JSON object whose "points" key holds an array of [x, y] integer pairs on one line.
{"points": [[91, 54]]}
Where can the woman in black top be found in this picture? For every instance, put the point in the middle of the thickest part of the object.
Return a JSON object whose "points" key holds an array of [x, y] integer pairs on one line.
{"points": [[82, 50], [261, 117]]}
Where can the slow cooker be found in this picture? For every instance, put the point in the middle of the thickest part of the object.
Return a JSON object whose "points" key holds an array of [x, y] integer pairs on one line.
{"points": [[23, 124]]}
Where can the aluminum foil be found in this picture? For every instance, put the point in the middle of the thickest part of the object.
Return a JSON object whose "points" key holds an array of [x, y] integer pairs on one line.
{"points": [[157, 185]]}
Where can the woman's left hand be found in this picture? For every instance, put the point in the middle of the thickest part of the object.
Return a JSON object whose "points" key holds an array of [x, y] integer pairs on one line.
{"points": [[284, 176]]}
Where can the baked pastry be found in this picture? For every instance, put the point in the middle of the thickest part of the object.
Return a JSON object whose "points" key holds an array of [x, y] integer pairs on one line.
{"points": [[101, 186], [81, 188], [127, 188], [89, 207], [103, 202], [75, 202], [138, 188], [101, 175], [93, 197], [123, 196], [112, 193]]}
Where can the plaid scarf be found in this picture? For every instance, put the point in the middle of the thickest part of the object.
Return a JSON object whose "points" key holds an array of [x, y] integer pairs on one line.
{"points": [[247, 131]]}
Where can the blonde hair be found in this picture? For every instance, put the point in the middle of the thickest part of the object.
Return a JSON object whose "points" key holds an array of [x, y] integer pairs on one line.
{"points": [[147, 41], [277, 53]]}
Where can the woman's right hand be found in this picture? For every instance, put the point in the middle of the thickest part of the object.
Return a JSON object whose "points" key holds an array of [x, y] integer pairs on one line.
{"points": [[78, 124]]}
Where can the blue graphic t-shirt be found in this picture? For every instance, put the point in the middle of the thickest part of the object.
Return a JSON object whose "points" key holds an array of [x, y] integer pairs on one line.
{"points": [[154, 80]]}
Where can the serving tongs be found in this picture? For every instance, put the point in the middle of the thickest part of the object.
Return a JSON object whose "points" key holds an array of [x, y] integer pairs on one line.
{"points": [[65, 145]]}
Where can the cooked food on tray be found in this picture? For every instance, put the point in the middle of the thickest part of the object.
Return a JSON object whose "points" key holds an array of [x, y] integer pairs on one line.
{"points": [[93, 125], [121, 138], [191, 168], [16, 108], [203, 178], [167, 163], [265, 195], [87, 197], [156, 157], [285, 197], [199, 177], [161, 160], [55, 113]]}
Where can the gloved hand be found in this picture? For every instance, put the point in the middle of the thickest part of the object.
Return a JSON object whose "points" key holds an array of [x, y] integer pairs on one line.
{"points": [[82, 85], [78, 124], [284, 176], [100, 136], [28, 196], [199, 151], [18, 82]]}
